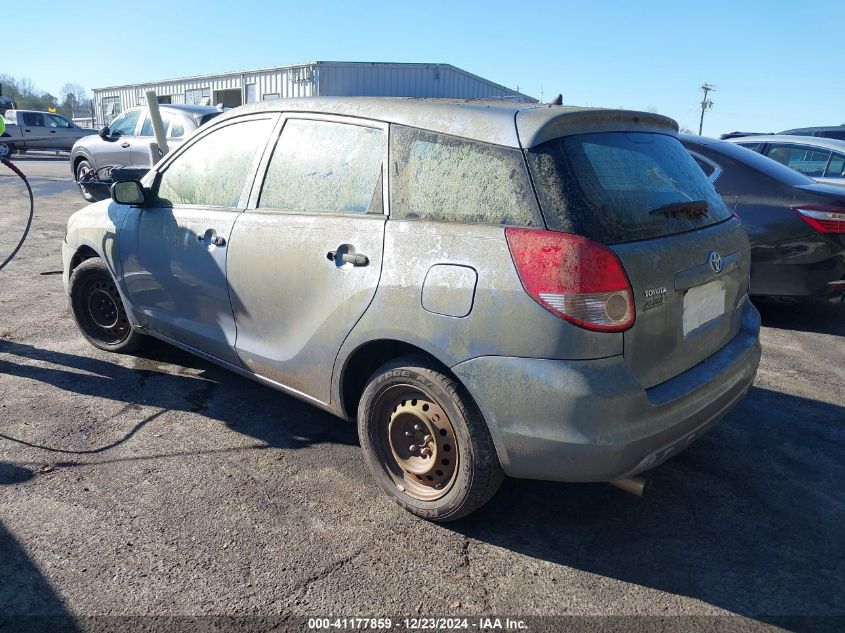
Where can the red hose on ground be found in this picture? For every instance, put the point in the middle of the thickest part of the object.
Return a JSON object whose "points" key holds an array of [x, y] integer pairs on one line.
{"points": [[22, 176]]}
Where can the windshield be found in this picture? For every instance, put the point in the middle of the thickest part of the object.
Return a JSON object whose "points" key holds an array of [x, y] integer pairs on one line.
{"points": [[623, 186]]}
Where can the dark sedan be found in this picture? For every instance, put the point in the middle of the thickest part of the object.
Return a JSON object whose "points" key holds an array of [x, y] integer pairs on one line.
{"points": [[796, 225]]}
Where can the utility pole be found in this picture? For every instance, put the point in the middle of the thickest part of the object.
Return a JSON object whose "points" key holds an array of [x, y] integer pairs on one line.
{"points": [[706, 104]]}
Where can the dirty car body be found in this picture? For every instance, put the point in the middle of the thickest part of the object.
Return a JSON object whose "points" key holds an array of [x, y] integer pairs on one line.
{"points": [[570, 271]]}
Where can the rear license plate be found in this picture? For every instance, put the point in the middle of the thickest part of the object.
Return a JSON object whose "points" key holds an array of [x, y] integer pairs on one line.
{"points": [[704, 303]]}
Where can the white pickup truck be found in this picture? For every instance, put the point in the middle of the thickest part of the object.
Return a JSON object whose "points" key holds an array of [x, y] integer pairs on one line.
{"points": [[30, 129]]}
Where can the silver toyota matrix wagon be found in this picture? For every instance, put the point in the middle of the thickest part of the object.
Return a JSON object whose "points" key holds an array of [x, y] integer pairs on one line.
{"points": [[489, 288]]}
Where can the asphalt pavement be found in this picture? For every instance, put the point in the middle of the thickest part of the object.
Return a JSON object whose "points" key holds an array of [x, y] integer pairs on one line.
{"points": [[164, 485]]}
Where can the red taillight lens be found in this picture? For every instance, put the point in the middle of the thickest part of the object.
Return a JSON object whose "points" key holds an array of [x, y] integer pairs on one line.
{"points": [[822, 217], [573, 278]]}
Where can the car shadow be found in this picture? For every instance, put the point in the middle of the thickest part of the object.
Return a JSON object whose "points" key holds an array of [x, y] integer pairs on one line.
{"points": [[749, 519], [28, 602], [819, 318], [273, 418]]}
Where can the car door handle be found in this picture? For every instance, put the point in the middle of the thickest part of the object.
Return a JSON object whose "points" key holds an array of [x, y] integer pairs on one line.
{"points": [[52, 131], [356, 259], [124, 144], [211, 236]]}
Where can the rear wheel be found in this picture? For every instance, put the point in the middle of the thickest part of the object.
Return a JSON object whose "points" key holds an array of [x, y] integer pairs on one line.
{"points": [[98, 308], [425, 442], [82, 168]]}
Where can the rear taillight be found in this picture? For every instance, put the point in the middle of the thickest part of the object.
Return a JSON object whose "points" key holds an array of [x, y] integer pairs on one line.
{"points": [[824, 218], [573, 278]]}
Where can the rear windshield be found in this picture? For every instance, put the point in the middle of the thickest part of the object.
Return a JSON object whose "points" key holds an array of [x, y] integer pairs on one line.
{"points": [[617, 187]]}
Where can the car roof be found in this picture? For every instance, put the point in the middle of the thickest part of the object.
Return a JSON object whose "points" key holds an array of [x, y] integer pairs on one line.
{"points": [[813, 141], [500, 122], [179, 107], [816, 128]]}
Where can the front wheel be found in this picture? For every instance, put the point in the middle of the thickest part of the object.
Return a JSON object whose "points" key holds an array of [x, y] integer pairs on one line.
{"points": [[425, 441], [5, 150], [81, 169], [98, 308]]}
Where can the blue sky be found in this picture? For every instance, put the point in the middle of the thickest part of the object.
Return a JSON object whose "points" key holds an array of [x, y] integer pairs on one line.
{"points": [[775, 64]]}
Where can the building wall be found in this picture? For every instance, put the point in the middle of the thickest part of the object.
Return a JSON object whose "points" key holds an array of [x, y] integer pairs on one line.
{"points": [[307, 80]]}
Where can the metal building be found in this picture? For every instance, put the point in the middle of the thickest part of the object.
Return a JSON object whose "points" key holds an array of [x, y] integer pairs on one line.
{"points": [[360, 79]]}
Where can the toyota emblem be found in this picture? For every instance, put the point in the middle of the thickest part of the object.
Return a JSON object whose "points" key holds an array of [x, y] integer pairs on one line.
{"points": [[715, 262]]}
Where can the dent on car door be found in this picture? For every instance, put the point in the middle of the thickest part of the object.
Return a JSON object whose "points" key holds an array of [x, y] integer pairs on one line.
{"points": [[174, 251], [306, 256]]}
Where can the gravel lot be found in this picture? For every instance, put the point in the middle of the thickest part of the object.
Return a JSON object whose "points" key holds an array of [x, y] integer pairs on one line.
{"points": [[162, 484]]}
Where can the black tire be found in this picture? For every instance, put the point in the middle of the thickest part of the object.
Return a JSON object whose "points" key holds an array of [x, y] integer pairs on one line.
{"points": [[390, 395], [6, 150], [83, 167], [98, 309]]}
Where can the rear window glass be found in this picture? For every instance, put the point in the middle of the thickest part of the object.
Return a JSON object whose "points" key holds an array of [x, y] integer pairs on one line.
{"points": [[441, 177], [623, 186]]}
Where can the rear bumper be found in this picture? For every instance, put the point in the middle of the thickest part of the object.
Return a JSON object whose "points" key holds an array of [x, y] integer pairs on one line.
{"points": [[592, 421], [819, 272]]}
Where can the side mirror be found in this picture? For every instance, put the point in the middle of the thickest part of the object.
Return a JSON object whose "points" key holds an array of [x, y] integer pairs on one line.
{"points": [[104, 133], [128, 192]]}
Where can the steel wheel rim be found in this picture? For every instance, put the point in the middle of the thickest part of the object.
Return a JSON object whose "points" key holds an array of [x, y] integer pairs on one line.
{"points": [[104, 309], [417, 443]]}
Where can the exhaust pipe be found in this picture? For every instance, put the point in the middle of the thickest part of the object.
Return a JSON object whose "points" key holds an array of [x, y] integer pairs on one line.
{"points": [[634, 485]]}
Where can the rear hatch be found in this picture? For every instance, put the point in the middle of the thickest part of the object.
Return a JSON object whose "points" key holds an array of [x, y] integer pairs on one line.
{"points": [[686, 257]]}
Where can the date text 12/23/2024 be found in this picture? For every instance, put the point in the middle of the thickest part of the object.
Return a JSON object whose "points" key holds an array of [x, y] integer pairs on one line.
{"points": [[417, 624]]}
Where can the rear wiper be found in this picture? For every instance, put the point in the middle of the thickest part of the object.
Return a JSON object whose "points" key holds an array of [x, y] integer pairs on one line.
{"points": [[694, 208]]}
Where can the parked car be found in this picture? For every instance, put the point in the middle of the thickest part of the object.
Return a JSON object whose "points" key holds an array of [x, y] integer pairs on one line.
{"points": [[390, 261], [796, 225], [827, 131], [821, 159], [126, 142], [31, 129]]}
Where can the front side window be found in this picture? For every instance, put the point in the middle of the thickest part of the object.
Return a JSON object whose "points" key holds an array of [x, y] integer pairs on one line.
{"points": [[325, 167], [752, 146], [445, 178], [124, 125], [58, 122], [212, 171], [616, 187], [807, 160]]}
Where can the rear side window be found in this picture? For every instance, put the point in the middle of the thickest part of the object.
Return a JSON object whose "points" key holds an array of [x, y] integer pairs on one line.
{"points": [[623, 186], [836, 167], [444, 178], [34, 119], [325, 167], [752, 146], [147, 127], [212, 171], [807, 160]]}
